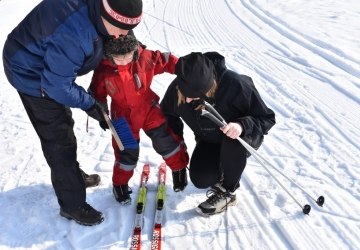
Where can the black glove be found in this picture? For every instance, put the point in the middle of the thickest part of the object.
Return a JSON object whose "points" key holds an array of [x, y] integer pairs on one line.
{"points": [[179, 180], [96, 112], [104, 125]]}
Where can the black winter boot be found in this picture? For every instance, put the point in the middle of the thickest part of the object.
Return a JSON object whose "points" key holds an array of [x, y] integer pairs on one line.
{"points": [[179, 180], [122, 194], [90, 180], [85, 215]]}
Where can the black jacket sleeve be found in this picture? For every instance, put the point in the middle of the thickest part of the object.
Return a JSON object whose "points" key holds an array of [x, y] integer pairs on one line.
{"points": [[259, 118]]}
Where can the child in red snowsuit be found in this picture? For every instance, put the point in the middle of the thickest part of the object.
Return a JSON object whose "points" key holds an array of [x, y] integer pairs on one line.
{"points": [[125, 74]]}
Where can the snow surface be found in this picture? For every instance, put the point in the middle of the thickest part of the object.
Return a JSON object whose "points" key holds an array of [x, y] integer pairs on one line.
{"points": [[304, 58]]}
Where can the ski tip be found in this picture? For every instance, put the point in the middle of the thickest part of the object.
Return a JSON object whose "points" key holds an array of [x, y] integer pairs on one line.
{"points": [[162, 168], [146, 168]]}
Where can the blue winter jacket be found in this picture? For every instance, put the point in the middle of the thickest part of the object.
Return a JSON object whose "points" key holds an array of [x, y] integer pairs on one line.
{"points": [[56, 42]]}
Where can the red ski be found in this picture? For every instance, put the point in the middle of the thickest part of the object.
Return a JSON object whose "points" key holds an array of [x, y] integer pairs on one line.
{"points": [[140, 207], [160, 202]]}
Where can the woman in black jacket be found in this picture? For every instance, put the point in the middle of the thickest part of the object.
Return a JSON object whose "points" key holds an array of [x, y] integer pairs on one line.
{"points": [[218, 160]]}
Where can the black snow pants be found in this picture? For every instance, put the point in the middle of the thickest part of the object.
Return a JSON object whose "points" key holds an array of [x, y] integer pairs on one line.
{"points": [[212, 163], [53, 124]]}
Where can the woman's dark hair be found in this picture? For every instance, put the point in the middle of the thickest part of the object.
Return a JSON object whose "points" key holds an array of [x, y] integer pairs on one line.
{"points": [[119, 46]]}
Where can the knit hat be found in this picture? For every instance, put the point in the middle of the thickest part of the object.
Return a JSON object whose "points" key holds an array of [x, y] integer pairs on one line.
{"points": [[124, 14], [195, 74]]}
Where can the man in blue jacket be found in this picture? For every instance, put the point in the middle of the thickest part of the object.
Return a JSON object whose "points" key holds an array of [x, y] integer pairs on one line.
{"points": [[56, 42]]}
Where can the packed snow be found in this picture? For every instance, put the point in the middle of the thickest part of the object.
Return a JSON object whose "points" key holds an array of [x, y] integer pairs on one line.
{"points": [[304, 57]]}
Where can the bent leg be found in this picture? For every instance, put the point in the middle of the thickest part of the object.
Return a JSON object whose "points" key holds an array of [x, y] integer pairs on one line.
{"points": [[124, 166], [204, 165], [125, 160], [233, 162], [164, 143]]}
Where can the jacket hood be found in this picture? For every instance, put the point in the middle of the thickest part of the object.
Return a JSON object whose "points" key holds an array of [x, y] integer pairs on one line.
{"points": [[219, 63]]}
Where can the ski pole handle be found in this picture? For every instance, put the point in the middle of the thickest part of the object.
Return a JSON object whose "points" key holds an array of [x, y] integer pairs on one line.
{"points": [[214, 119], [213, 111], [222, 124]]}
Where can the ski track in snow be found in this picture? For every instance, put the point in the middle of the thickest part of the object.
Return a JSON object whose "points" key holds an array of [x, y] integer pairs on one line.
{"points": [[308, 79]]}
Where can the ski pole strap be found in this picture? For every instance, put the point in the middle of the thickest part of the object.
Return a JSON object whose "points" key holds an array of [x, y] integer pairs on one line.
{"points": [[87, 124]]}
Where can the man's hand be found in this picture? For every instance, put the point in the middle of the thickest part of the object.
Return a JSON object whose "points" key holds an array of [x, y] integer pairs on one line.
{"points": [[232, 130], [104, 125], [96, 112]]}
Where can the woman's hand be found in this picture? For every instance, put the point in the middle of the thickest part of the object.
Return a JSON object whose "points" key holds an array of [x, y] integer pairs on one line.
{"points": [[232, 130]]}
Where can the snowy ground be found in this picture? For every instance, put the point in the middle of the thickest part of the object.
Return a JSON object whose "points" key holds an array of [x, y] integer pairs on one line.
{"points": [[304, 58]]}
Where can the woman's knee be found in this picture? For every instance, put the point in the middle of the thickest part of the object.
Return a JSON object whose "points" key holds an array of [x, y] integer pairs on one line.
{"points": [[204, 179]]}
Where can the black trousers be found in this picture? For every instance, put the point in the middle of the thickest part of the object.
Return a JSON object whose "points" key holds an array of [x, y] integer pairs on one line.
{"points": [[53, 124], [212, 163]]}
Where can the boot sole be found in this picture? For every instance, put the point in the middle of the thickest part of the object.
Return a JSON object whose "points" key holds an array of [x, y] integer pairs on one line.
{"points": [[69, 217], [124, 203]]}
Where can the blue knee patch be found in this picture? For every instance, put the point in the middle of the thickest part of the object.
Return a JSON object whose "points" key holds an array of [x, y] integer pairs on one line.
{"points": [[126, 136]]}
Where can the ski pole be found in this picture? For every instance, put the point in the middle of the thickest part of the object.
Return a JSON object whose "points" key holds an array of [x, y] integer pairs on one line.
{"points": [[319, 201], [216, 118], [306, 209]]}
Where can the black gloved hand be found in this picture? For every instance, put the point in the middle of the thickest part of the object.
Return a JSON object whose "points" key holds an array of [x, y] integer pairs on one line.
{"points": [[96, 112], [104, 125], [179, 180]]}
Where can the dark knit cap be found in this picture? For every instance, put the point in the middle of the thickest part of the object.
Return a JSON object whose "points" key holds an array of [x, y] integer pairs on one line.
{"points": [[195, 74], [119, 46], [124, 14]]}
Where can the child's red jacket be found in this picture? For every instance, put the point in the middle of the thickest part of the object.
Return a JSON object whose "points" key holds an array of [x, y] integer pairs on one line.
{"points": [[129, 86]]}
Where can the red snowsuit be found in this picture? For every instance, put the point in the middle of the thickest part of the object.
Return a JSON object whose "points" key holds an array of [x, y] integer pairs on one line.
{"points": [[134, 101]]}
